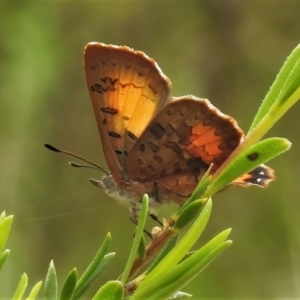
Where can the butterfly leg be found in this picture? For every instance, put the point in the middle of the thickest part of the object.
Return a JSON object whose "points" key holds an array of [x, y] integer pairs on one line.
{"points": [[154, 217], [133, 217], [145, 231], [133, 214]]}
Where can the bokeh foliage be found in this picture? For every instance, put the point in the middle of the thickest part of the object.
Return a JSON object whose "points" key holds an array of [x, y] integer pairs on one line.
{"points": [[226, 51]]}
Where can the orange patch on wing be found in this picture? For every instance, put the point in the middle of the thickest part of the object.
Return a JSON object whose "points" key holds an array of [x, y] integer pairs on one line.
{"points": [[204, 143]]}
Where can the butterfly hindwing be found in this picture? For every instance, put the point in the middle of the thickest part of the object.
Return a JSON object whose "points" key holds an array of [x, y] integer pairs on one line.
{"points": [[186, 136], [181, 142]]}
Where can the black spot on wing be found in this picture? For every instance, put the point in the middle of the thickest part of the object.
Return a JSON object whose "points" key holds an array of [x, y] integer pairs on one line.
{"points": [[154, 148], [109, 110], [157, 130], [152, 168], [159, 159], [114, 134], [131, 135], [172, 145]]}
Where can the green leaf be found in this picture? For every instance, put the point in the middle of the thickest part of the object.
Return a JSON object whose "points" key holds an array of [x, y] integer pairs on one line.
{"points": [[142, 248], [179, 251], [284, 93], [244, 162], [21, 288], [2, 216], [51, 283], [137, 238], [5, 227], [162, 254], [164, 286], [187, 214], [188, 254], [34, 291], [69, 285], [3, 258], [112, 290], [288, 75], [290, 92], [180, 295], [93, 270]]}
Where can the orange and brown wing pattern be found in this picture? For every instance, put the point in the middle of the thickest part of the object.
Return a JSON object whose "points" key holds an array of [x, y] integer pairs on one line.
{"points": [[181, 142], [185, 137], [126, 89]]}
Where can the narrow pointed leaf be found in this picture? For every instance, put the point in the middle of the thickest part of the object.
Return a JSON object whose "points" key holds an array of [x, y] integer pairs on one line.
{"points": [[2, 216], [69, 285], [180, 295], [112, 290], [51, 283], [187, 256], [168, 247], [142, 248], [183, 246], [94, 269], [89, 276], [188, 214], [5, 227], [34, 292], [277, 86], [166, 285], [137, 237], [174, 279], [21, 288], [4, 257], [148, 289]]}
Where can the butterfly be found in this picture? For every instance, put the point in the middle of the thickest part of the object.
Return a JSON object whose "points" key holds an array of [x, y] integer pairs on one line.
{"points": [[154, 143]]}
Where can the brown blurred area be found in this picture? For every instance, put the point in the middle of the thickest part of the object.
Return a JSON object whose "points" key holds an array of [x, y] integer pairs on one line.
{"points": [[226, 51]]}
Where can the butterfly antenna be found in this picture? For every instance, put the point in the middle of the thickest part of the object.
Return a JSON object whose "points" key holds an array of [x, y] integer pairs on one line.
{"points": [[92, 165]]}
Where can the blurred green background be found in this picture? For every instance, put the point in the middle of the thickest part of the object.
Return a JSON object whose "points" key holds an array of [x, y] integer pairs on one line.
{"points": [[226, 51]]}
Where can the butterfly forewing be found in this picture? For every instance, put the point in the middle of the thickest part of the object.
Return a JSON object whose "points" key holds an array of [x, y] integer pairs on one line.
{"points": [[126, 88]]}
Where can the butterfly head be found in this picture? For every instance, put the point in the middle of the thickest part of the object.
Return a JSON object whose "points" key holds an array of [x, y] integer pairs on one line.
{"points": [[109, 186], [106, 183]]}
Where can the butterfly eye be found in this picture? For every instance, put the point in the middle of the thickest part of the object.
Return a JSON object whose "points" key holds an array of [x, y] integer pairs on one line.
{"points": [[108, 181]]}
